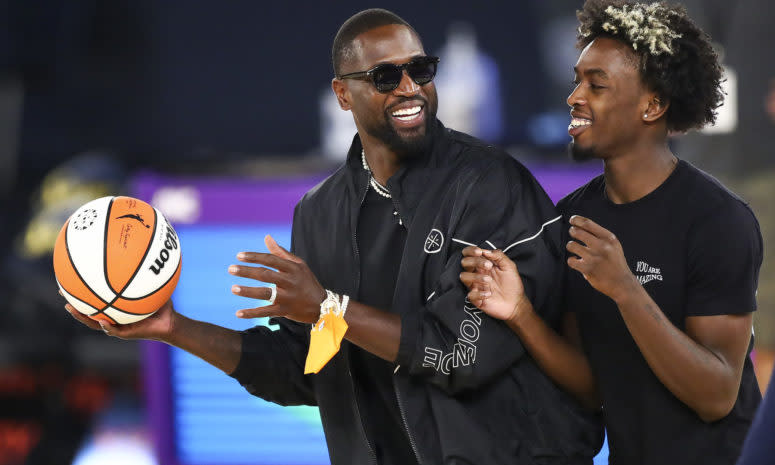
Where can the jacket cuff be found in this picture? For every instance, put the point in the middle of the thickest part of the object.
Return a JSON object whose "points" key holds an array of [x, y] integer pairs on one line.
{"points": [[242, 370], [410, 335]]}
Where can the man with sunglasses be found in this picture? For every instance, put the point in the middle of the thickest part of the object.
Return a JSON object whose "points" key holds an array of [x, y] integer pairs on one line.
{"points": [[422, 376]]}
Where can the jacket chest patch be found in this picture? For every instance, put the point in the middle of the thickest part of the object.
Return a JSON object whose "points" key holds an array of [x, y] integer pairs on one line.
{"points": [[434, 241]]}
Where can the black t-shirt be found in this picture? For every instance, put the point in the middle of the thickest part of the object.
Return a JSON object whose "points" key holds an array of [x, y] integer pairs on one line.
{"points": [[380, 244], [696, 249]]}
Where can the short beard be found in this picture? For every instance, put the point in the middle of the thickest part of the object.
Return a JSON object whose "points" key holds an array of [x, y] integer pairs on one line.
{"points": [[579, 154], [405, 147]]}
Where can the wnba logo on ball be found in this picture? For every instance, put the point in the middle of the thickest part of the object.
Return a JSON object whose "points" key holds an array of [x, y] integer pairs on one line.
{"points": [[109, 268], [170, 243]]}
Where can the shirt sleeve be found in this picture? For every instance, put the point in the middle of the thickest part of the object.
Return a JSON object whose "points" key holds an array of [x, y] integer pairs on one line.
{"points": [[724, 256], [272, 362], [449, 341]]}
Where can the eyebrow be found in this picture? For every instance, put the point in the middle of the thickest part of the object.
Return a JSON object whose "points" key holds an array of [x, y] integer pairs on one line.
{"points": [[592, 71], [392, 62]]}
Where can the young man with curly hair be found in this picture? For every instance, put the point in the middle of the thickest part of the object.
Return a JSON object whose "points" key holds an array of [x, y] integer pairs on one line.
{"points": [[663, 259]]}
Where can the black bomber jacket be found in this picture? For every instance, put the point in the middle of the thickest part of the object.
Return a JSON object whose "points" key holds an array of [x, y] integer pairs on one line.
{"points": [[467, 390]]}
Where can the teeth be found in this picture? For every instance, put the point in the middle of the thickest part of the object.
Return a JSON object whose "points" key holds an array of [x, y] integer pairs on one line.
{"points": [[407, 111], [578, 122]]}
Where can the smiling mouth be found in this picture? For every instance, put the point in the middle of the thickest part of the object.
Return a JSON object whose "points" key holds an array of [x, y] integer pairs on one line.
{"points": [[578, 125], [407, 114]]}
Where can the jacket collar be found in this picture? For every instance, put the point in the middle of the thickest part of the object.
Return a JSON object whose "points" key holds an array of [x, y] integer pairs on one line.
{"points": [[407, 184]]}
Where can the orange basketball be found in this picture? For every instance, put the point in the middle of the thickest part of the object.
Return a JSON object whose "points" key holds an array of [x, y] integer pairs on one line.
{"points": [[117, 259]]}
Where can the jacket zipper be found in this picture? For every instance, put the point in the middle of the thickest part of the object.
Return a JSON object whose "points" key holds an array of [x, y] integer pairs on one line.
{"points": [[355, 243], [349, 371], [398, 213], [360, 419], [395, 387], [406, 425]]}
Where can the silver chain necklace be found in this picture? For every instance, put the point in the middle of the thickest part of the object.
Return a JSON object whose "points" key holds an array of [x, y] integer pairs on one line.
{"points": [[378, 188]]}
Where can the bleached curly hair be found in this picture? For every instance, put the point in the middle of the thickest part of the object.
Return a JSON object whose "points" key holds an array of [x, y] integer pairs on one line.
{"points": [[676, 57]]}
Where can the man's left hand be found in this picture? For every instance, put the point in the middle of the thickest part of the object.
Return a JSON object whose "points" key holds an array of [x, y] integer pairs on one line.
{"points": [[600, 258], [299, 293]]}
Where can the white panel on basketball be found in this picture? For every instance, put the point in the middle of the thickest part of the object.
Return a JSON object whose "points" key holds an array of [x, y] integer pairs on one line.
{"points": [[85, 236], [159, 264], [121, 317], [79, 305]]}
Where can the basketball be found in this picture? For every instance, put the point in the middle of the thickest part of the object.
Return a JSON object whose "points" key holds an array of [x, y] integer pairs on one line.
{"points": [[117, 259]]}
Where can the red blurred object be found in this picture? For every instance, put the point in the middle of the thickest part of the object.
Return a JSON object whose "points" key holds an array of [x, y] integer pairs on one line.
{"points": [[17, 438]]}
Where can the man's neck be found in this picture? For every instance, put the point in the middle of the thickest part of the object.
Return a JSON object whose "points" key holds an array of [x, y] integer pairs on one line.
{"points": [[638, 173], [382, 165], [382, 161]]}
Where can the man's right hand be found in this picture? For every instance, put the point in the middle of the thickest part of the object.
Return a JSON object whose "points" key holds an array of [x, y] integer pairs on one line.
{"points": [[216, 345], [157, 326], [494, 284]]}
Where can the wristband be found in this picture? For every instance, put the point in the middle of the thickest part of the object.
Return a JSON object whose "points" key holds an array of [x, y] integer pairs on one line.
{"points": [[326, 335]]}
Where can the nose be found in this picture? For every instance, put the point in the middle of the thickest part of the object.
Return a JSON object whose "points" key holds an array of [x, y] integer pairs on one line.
{"points": [[407, 86], [576, 97]]}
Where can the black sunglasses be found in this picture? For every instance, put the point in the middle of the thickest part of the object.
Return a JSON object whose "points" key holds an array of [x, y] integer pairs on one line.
{"points": [[387, 76]]}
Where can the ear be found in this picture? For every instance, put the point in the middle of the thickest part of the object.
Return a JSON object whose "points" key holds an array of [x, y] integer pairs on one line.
{"points": [[655, 108], [342, 95]]}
